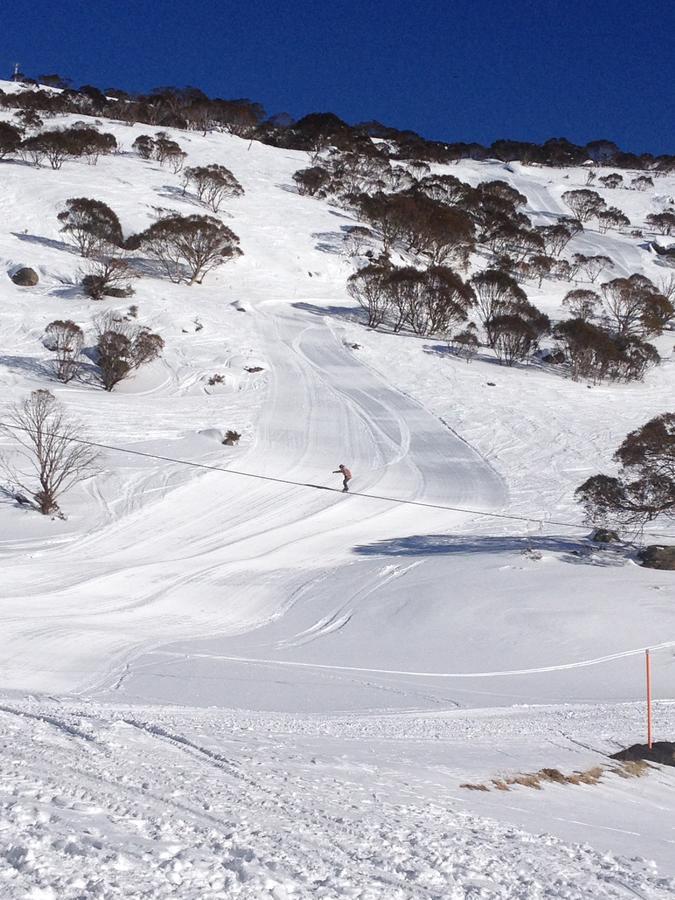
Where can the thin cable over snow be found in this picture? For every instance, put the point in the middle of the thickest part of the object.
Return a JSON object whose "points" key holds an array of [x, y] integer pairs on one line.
{"points": [[320, 487]]}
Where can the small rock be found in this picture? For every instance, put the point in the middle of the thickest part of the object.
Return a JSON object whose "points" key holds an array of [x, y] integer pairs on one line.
{"points": [[658, 556], [25, 277], [605, 536], [660, 752]]}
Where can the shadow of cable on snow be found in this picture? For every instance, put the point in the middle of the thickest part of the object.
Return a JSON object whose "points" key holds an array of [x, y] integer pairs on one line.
{"points": [[579, 552]]}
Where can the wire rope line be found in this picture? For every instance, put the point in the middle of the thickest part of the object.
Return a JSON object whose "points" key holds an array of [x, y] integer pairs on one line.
{"points": [[320, 487], [581, 664]]}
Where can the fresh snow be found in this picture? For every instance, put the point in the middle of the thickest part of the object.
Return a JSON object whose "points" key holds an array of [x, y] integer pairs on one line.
{"points": [[221, 686]]}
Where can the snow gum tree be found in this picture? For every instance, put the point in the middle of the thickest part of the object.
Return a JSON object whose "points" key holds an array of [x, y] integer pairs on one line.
{"points": [[65, 339], [584, 203], [122, 347], [91, 224], [644, 488], [188, 247], [212, 184]]}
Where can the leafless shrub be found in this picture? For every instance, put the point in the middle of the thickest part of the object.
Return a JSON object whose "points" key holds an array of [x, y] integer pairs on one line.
{"points": [[645, 486], [591, 266], [52, 459], [369, 288], [109, 277], [122, 347], [65, 339], [582, 304]]}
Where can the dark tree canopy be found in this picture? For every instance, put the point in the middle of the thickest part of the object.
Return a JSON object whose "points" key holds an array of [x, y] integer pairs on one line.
{"points": [[644, 489]]}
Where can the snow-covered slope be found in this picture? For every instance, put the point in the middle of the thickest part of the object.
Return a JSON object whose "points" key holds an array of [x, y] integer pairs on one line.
{"points": [[179, 585]]}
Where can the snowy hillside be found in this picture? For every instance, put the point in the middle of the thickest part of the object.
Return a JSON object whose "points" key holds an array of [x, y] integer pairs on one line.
{"points": [[317, 660]]}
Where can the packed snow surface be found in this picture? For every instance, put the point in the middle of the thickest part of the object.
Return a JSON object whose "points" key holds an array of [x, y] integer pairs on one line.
{"points": [[243, 683]]}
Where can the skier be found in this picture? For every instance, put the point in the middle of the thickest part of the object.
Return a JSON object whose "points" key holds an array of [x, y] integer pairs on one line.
{"points": [[347, 476]]}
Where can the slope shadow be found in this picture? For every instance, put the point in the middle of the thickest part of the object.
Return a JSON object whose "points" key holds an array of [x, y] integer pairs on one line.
{"points": [[46, 242], [329, 242], [345, 312], [444, 350], [172, 192], [573, 551]]}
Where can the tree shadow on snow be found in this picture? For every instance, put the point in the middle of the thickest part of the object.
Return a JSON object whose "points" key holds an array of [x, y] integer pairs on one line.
{"points": [[577, 552], [27, 364], [46, 242], [329, 242], [351, 313], [443, 350]]}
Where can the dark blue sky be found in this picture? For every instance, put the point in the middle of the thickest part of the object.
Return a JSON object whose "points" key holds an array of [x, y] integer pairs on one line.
{"points": [[450, 69]]}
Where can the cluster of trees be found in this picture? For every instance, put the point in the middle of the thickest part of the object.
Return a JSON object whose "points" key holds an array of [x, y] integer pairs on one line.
{"points": [[587, 204], [190, 108], [440, 221], [166, 151], [187, 247], [56, 146], [663, 222], [170, 107], [428, 301], [437, 301], [213, 184], [644, 488], [121, 347], [606, 336]]}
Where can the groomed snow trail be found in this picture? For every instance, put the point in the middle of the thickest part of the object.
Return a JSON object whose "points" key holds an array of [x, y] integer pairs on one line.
{"points": [[225, 554]]}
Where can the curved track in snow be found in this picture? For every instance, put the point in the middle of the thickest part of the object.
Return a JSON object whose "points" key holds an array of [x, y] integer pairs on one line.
{"points": [[225, 555]]}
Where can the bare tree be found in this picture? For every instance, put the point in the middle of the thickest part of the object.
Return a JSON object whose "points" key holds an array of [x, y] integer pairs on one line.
{"points": [[496, 294], [642, 182], [10, 139], [612, 217], [109, 277], [663, 222], [666, 286], [65, 339], [168, 152], [613, 180], [52, 459], [465, 343]]}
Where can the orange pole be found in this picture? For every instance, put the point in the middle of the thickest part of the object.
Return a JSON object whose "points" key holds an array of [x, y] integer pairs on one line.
{"points": [[648, 664]]}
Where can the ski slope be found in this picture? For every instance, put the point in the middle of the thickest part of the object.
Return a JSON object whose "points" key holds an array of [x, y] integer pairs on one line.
{"points": [[240, 603]]}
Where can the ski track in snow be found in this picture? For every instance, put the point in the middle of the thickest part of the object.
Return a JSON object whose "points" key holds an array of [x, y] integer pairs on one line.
{"points": [[116, 802]]}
